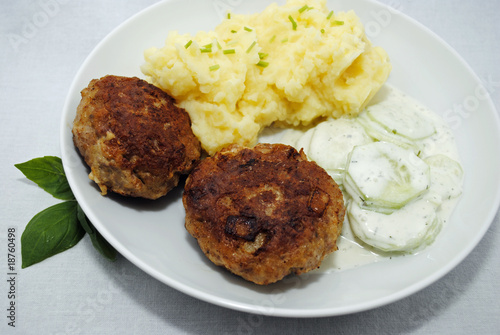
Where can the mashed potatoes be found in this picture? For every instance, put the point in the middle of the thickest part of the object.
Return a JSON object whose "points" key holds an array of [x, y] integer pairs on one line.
{"points": [[288, 65]]}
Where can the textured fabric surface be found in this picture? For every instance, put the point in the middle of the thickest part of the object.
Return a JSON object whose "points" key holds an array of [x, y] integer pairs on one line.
{"points": [[78, 292]]}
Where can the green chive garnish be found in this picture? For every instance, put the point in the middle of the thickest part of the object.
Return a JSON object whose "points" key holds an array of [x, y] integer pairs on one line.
{"points": [[263, 55], [303, 8], [284, 40], [228, 16], [338, 23], [214, 67], [228, 51], [233, 31], [206, 48], [262, 63], [248, 29], [322, 31], [329, 15], [251, 46], [294, 24], [188, 44]]}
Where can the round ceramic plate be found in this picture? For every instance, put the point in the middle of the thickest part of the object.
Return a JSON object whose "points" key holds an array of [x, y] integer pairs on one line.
{"points": [[151, 234]]}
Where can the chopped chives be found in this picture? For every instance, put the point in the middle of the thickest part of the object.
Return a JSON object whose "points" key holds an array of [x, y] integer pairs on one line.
{"points": [[284, 40], [294, 24], [322, 31], [263, 55], [214, 67], [251, 46], [188, 44], [329, 15], [209, 46], [206, 50], [262, 63], [338, 23], [233, 31], [248, 29], [228, 16], [303, 8], [228, 51]]}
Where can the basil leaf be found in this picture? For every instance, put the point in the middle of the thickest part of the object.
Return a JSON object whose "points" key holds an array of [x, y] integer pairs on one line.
{"points": [[99, 243], [48, 173], [50, 232]]}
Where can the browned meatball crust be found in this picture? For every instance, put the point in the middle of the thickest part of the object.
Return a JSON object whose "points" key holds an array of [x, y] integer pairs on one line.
{"points": [[134, 139], [264, 212]]}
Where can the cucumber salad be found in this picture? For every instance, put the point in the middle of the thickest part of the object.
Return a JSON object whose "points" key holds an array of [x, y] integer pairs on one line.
{"points": [[399, 170]]}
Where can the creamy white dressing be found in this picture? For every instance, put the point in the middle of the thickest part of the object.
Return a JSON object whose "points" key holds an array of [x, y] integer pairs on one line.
{"points": [[368, 235]]}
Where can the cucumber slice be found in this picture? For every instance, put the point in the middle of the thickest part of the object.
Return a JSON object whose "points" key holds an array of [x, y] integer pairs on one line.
{"points": [[290, 137], [304, 141], [385, 176], [333, 140], [401, 120], [380, 133], [406, 230], [446, 176]]}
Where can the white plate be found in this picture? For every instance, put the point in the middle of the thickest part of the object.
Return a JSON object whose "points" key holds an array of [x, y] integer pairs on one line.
{"points": [[151, 234]]}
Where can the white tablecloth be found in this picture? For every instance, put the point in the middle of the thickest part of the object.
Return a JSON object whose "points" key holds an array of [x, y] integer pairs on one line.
{"points": [[78, 292]]}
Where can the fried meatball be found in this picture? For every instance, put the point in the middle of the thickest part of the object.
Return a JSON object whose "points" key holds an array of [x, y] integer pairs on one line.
{"points": [[264, 212], [136, 141]]}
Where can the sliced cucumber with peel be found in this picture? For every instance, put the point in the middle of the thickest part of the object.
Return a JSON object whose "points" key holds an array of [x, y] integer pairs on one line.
{"points": [[446, 176], [379, 133], [304, 141], [384, 177], [402, 125], [406, 230], [336, 138], [402, 121]]}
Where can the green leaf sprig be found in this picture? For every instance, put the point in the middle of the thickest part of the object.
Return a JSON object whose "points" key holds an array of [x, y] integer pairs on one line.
{"points": [[61, 226]]}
